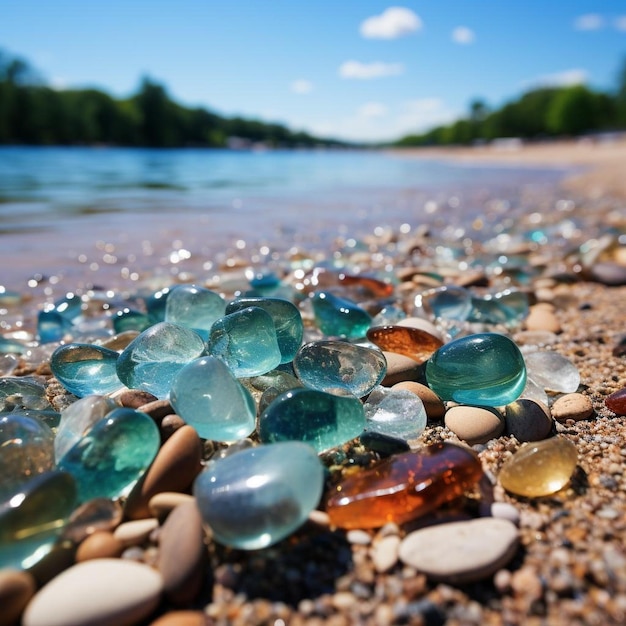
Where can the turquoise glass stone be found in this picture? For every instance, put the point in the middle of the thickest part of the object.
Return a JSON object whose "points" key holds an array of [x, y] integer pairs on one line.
{"points": [[255, 497], [32, 519], [487, 310], [263, 281], [287, 322], [328, 365], [86, 369], [22, 392], [486, 369], [194, 307], [52, 326], [112, 455], [246, 341], [155, 305], [338, 317], [208, 397], [69, 306], [450, 303], [397, 413], [12, 346], [129, 319], [26, 449], [152, 360], [320, 419], [508, 307]]}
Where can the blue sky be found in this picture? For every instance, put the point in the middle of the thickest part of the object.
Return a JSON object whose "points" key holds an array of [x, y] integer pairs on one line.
{"points": [[355, 69]]}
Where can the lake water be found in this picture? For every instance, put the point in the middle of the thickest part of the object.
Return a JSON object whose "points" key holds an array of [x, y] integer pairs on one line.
{"points": [[61, 208]]}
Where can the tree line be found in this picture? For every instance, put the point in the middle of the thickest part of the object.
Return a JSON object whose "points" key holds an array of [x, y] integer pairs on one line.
{"points": [[34, 113]]}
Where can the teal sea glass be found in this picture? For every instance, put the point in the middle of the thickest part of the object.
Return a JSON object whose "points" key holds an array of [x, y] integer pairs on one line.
{"points": [[208, 397], [287, 322], [507, 307], [448, 302], [112, 455], [86, 369], [338, 317], [246, 341], [52, 326], [155, 305], [152, 360], [320, 419], [194, 307], [255, 497], [485, 369], [129, 319], [22, 392], [328, 365]]}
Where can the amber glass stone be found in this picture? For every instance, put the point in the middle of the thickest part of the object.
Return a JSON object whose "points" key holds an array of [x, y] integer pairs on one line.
{"points": [[412, 342], [616, 402], [370, 287], [403, 487]]}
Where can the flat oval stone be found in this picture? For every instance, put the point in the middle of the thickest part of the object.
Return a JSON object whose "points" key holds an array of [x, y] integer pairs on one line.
{"points": [[85, 369], [616, 401], [528, 420], [327, 365], [321, 419], [412, 342], [474, 424], [152, 360], [109, 459], [474, 549], [541, 468], [552, 371], [338, 317], [403, 487], [101, 544], [485, 369], [208, 397], [401, 369], [435, 408], [126, 593], [395, 412], [258, 496], [572, 406], [16, 590], [194, 307]]}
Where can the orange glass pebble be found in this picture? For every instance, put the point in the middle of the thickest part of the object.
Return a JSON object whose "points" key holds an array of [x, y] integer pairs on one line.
{"points": [[412, 342], [403, 487]]}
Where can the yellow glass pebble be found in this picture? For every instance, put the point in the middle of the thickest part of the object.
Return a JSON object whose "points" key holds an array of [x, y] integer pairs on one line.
{"points": [[540, 468]]}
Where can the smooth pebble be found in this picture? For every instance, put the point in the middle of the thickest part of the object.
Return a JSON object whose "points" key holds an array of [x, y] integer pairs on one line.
{"points": [[572, 406], [16, 590], [528, 420], [385, 553], [135, 532], [474, 424], [100, 544], [400, 368]]}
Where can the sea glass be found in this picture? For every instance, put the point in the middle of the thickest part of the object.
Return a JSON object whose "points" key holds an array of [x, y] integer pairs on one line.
{"points": [[415, 343], [156, 303], [152, 360], [486, 369], [208, 397], [22, 392], [70, 306], [130, 319], [552, 371], [403, 487], [52, 326], [246, 341], [86, 369], [448, 302], [327, 365], [114, 453], [616, 401], [194, 307], [257, 496], [287, 322], [395, 412], [339, 317], [320, 419], [540, 468]]}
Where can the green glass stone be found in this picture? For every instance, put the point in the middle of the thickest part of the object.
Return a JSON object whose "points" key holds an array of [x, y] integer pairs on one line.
{"points": [[129, 319], [246, 341], [86, 369], [22, 392], [507, 307], [155, 305], [152, 360], [287, 322], [194, 307], [328, 365], [485, 369], [111, 457], [338, 317], [257, 496], [52, 326], [320, 419], [32, 519], [208, 397]]}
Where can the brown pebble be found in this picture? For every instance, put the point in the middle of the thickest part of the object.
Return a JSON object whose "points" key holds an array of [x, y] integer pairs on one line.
{"points": [[162, 504], [400, 368], [572, 406], [136, 532], [16, 590], [101, 544], [182, 618], [157, 409], [169, 425], [474, 424], [542, 318], [435, 408], [135, 398]]}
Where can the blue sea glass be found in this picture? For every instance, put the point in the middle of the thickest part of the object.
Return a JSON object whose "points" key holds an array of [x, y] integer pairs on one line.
{"points": [[69, 306], [12, 346], [194, 307], [328, 365], [508, 307], [246, 341], [263, 281], [85, 369], [486, 369], [22, 392], [130, 319], [112, 455], [287, 322], [257, 496], [338, 317], [52, 326], [395, 412], [32, 519], [152, 360], [320, 419], [449, 302], [208, 397], [156, 303]]}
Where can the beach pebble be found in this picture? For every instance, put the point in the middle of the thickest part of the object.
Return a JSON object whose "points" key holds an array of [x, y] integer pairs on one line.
{"points": [[537, 338], [175, 467], [169, 425], [572, 406], [474, 424], [607, 273], [181, 553], [135, 532], [400, 368], [182, 618], [16, 590], [100, 592], [461, 552], [385, 553], [421, 324], [135, 398], [162, 504], [528, 420], [504, 510], [433, 404], [98, 545], [157, 409], [542, 318]]}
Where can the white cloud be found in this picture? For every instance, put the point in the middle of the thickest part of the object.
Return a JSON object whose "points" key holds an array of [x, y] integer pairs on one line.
{"points": [[423, 114], [365, 71], [561, 79], [372, 109], [392, 23], [590, 21], [463, 35], [301, 86], [620, 23]]}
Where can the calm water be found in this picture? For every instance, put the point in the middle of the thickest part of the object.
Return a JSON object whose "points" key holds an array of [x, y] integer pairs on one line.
{"points": [[58, 205]]}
